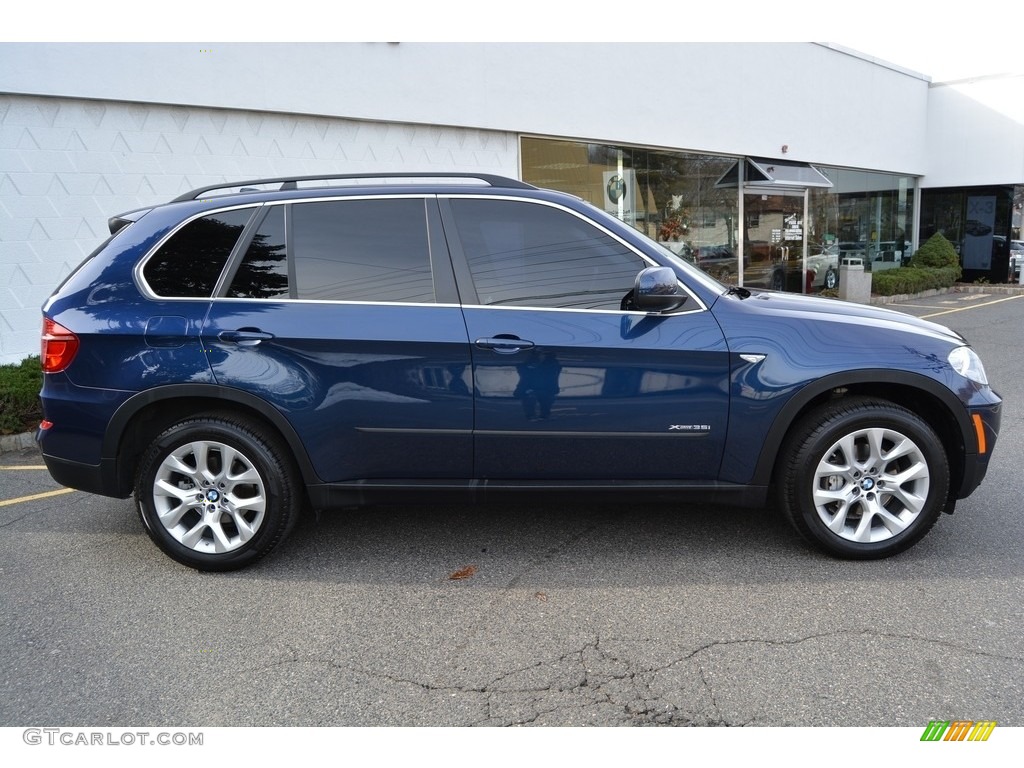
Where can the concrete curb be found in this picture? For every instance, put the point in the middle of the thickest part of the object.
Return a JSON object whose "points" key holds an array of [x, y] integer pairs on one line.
{"points": [[12, 443], [994, 290]]}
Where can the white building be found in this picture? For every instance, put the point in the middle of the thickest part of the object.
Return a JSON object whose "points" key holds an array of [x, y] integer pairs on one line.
{"points": [[737, 155]]}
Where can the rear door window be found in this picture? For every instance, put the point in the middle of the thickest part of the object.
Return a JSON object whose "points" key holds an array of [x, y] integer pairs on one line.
{"points": [[263, 272], [362, 250]]}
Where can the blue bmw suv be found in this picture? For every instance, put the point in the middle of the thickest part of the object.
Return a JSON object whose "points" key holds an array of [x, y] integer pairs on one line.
{"points": [[249, 351]]}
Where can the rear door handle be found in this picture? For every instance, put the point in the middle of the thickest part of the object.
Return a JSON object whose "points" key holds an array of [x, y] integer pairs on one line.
{"points": [[245, 337], [505, 345]]}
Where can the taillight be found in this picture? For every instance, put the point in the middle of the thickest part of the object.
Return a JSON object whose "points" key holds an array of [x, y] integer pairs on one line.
{"points": [[58, 348]]}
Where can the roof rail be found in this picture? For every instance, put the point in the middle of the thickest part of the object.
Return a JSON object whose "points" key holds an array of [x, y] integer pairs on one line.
{"points": [[291, 182]]}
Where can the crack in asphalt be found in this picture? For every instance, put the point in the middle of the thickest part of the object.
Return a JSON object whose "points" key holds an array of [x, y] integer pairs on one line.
{"points": [[592, 676], [853, 633]]}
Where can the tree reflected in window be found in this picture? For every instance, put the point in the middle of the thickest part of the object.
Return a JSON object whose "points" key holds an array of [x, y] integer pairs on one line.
{"points": [[263, 273], [190, 263]]}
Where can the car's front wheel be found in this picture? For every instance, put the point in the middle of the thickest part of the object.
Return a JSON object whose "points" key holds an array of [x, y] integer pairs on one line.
{"points": [[215, 493], [863, 478]]}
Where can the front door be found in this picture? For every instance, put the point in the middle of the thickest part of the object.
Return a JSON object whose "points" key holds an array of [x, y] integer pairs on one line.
{"points": [[568, 384]]}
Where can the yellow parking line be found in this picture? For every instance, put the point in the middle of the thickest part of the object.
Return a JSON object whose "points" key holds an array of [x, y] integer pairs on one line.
{"points": [[33, 497], [25, 466], [973, 306]]}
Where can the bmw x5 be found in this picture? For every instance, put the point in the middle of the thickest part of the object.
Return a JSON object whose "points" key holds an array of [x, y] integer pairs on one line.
{"points": [[249, 351]]}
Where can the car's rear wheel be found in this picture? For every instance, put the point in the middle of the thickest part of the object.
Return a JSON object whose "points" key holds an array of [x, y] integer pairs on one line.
{"points": [[215, 493], [831, 279], [863, 478]]}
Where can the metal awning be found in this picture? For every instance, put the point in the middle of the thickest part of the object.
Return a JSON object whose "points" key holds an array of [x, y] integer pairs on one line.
{"points": [[762, 172]]}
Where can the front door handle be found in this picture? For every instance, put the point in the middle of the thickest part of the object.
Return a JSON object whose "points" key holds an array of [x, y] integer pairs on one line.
{"points": [[245, 337], [505, 344]]}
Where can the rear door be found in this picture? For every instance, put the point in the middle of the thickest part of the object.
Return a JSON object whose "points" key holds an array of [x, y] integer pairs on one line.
{"points": [[342, 314], [568, 384]]}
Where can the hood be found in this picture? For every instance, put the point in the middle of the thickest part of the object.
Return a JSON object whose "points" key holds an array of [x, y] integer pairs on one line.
{"points": [[832, 310]]}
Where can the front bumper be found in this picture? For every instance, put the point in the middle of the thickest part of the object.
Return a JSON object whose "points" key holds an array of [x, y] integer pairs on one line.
{"points": [[978, 446]]}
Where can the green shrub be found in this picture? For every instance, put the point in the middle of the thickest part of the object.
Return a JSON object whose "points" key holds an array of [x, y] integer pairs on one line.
{"points": [[913, 280], [934, 265], [19, 396], [936, 253]]}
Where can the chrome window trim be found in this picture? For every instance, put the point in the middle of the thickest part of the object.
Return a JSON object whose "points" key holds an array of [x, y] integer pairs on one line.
{"points": [[334, 302], [634, 312], [149, 293]]}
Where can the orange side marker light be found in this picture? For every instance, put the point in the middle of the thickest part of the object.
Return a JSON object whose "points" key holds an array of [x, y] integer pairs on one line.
{"points": [[979, 430]]}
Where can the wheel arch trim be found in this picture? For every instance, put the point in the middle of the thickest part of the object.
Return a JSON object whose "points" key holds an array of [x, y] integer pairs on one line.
{"points": [[795, 407], [227, 396]]}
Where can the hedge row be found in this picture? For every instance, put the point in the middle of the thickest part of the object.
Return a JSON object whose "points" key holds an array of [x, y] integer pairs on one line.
{"points": [[934, 265], [19, 396], [912, 280]]}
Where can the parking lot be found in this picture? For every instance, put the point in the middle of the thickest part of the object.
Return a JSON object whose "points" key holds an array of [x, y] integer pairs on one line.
{"points": [[584, 614]]}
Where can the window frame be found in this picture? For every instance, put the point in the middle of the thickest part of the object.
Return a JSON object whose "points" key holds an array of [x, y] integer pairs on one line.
{"points": [[445, 291], [467, 285]]}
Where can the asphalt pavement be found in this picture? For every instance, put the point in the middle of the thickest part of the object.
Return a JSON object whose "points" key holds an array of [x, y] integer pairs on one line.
{"points": [[570, 614]]}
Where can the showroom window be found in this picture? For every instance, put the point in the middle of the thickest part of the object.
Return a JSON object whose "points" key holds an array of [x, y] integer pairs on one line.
{"points": [[979, 222], [865, 215], [669, 196], [687, 203]]}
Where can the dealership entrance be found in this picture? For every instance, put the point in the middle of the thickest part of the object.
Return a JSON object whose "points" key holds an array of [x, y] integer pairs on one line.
{"points": [[775, 245]]}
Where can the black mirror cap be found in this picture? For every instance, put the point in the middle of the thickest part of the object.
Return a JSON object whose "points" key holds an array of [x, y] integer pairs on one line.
{"points": [[657, 290]]}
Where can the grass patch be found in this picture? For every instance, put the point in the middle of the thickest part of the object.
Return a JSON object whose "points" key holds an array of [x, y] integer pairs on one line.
{"points": [[20, 410]]}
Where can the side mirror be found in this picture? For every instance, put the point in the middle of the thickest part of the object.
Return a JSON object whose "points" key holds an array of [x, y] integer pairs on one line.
{"points": [[657, 290]]}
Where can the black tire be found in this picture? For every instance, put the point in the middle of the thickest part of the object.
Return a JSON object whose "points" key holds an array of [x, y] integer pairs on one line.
{"points": [[862, 478], [831, 279], [210, 516]]}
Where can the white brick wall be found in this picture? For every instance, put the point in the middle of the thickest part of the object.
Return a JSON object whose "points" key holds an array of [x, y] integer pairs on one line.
{"points": [[66, 165]]}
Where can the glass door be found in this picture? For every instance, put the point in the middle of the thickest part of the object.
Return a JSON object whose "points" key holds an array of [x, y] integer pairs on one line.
{"points": [[774, 241]]}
